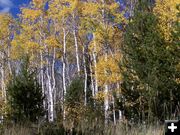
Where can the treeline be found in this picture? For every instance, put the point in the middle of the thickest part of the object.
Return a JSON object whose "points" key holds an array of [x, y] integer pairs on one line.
{"points": [[84, 62]]}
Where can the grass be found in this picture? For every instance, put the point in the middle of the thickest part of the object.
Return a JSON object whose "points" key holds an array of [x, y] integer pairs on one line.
{"points": [[119, 129], [17, 130]]}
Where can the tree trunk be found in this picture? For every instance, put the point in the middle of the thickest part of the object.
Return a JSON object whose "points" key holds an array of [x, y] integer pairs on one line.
{"points": [[92, 81], [64, 70], [106, 104], [53, 78], [77, 51], [95, 66], [85, 78], [50, 97], [106, 99], [114, 112], [64, 61], [120, 97], [42, 76], [3, 83]]}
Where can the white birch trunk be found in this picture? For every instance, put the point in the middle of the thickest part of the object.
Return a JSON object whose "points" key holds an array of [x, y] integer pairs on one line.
{"points": [[76, 44], [53, 79], [106, 104], [85, 80], [114, 112], [3, 84], [106, 100], [3, 77], [53, 70], [42, 76], [42, 71], [64, 70], [68, 73], [50, 91], [92, 82], [119, 96], [64, 61], [50, 97], [9, 63], [95, 65], [77, 51]]}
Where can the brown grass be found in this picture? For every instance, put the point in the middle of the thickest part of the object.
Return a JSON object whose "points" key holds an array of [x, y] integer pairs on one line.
{"points": [[17, 130], [111, 130]]}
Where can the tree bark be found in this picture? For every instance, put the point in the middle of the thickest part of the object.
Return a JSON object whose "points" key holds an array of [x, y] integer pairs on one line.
{"points": [[95, 65], [64, 70], [77, 51], [85, 78], [50, 96]]}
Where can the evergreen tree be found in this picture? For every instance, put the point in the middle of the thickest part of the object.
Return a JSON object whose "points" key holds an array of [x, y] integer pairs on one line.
{"points": [[150, 69], [25, 95]]}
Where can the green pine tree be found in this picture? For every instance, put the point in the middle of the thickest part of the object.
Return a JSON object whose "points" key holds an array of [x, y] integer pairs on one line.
{"points": [[150, 69], [25, 95]]}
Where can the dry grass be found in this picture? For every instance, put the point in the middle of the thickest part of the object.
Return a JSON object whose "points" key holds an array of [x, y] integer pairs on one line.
{"points": [[17, 130], [150, 130], [112, 130]]}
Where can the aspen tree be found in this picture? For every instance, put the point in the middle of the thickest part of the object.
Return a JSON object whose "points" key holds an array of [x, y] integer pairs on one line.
{"points": [[5, 33], [59, 12], [166, 12], [99, 46]]}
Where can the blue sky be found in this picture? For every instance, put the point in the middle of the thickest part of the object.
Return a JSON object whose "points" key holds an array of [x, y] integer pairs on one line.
{"points": [[12, 6]]}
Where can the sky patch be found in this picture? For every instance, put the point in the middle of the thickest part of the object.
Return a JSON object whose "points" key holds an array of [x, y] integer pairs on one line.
{"points": [[5, 6]]}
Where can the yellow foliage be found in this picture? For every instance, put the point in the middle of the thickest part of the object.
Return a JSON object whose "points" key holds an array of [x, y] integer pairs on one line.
{"points": [[32, 46], [5, 21], [59, 10], [51, 42], [90, 9], [31, 14], [74, 114], [166, 11], [108, 71], [22, 45], [75, 4], [16, 49], [96, 48], [28, 29], [100, 95], [38, 3]]}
